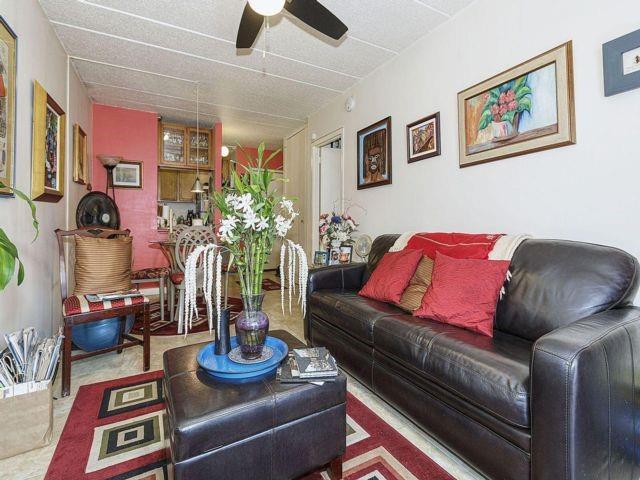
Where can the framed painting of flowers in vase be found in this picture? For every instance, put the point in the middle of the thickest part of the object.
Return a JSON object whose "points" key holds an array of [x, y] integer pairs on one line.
{"points": [[525, 109]]}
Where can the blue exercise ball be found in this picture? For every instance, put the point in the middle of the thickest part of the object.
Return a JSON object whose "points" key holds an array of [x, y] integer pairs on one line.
{"points": [[101, 334]]}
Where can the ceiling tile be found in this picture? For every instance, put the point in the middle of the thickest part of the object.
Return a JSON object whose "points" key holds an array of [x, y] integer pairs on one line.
{"points": [[450, 7]]}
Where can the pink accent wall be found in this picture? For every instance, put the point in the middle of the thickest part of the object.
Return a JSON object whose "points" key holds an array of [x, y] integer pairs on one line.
{"points": [[133, 135], [275, 163]]}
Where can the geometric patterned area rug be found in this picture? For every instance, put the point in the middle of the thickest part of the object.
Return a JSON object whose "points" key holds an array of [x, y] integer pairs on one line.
{"points": [[166, 327], [116, 430]]}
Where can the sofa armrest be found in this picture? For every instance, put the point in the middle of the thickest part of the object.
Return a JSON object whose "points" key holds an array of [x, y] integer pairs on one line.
{"points": [[341, 277], [585, 398], [334, 277]]}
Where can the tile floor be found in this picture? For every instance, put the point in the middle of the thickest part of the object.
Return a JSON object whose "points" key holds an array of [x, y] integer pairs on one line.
{"points": [[33, 465]]}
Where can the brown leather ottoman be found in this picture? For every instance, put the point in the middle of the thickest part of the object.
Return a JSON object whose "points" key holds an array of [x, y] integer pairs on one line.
{"points": [[259, 430]]}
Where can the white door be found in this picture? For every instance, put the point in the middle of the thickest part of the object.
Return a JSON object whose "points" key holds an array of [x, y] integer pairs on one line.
{"points": [[330, 180], [296, 171]]}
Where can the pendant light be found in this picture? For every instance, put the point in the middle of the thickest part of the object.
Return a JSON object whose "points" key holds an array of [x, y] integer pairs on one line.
{"points": [[197, 186]]}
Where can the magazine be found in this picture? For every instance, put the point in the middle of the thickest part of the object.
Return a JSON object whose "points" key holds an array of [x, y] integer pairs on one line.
{"points": [[101, 297]]}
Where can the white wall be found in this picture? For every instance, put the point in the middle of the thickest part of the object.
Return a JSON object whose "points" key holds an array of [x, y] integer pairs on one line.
{"points": [[588, 191], [40, 57]]}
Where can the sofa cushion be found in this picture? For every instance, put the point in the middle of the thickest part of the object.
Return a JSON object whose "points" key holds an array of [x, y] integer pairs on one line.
{"points": [[464, 292], [413, 294], [391, 276], [350, 312], [556, 282], [491, 373]]}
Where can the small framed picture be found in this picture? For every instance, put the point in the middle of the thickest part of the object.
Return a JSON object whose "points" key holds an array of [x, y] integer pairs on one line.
{"points": [[320, 257], [346, 251], [128, 174], [334, 256], [423, 138], [621, 58]]}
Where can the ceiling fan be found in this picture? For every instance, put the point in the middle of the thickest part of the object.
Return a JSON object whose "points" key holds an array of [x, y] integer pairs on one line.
{"points": [[310, 12]]}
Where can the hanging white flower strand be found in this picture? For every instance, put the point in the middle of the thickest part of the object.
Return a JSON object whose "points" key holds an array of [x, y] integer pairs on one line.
{"points": [[211, 265], [297, 259]]}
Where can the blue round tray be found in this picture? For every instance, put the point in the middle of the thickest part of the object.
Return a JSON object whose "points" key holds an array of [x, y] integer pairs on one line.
{"points": [[220, 366]]}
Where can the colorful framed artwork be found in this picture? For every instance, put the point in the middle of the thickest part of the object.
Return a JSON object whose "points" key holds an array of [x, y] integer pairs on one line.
{"points": [[128, 174], [423, 138], [80, 159], [320, 257], [346, 252], [374, 155], [621, 58], [48, 147], [8, 57], [525, 109]]}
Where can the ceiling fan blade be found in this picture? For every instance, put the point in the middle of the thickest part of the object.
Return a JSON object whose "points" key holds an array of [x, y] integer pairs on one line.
{"points": [[250, 26], [317, 16]]}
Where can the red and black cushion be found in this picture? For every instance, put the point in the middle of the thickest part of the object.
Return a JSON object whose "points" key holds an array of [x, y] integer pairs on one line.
{"points": [[77, 304], [150, 273]]}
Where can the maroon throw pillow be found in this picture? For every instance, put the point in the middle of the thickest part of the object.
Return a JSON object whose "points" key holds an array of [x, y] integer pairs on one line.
{"points": [[464, 292], [391, 276]]}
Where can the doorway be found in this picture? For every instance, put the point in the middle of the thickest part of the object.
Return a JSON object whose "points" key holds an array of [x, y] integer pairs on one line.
{"points": [[328, 182]]}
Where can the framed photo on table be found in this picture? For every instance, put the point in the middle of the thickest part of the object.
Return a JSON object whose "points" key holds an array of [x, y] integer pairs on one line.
{"points": [[8, 56], [525, 109], [321, 257], [423, 138], [374, 155], [48, 147], [128, 174], [346, 252]]}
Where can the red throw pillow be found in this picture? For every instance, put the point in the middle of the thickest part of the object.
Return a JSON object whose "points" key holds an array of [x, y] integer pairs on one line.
{"points": [[392, 275], [464, 292]]}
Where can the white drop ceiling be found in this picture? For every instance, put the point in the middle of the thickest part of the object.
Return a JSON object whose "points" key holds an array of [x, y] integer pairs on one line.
{"points": [[150, 55]]}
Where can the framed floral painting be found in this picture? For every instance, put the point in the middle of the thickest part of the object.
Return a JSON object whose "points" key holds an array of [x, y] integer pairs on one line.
{"points": [[80, 159], [374, 155], [48, 147], [423, 138], [525, 109], [8, 46]]}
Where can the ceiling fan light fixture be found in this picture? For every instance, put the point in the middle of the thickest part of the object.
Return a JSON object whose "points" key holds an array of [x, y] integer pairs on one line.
{"points": [[267, 8]]}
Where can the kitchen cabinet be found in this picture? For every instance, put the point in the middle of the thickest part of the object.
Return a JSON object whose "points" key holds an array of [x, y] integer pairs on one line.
{"points": [[175, 185], [172, 140], [167, 185], [199, 151]]}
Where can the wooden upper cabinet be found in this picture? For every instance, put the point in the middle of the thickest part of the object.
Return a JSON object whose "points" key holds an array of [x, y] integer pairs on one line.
{"points": [[172, 145], [168, 185], [199, 151]]}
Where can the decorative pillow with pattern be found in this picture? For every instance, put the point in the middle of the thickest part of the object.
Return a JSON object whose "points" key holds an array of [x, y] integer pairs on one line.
{"points": [[413, 294], [103, 265]]}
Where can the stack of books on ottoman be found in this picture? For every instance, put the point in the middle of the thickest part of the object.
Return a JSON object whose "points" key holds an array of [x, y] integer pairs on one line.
{"points": [[308, 365]]}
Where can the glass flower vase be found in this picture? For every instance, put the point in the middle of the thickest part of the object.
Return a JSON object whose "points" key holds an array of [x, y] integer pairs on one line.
{"points": [[252, 326]]}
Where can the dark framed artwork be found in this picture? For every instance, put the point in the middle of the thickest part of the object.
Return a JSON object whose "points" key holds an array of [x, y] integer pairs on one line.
{"points": [[128, 174], [423, 138], [621, 64], [48, 147], [374, 155], [525, 109], [8, 58]]}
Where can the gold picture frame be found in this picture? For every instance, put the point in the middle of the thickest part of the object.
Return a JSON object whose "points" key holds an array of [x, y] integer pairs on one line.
{"points": [[128, 174], [8, 56], [80, 159], [48, 147], [525, 109]]}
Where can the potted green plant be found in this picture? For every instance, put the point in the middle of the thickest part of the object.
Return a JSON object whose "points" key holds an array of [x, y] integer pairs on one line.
{"points": [[8, 251]]}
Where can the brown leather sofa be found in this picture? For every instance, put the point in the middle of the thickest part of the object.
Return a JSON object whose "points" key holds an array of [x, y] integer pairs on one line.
{"points": [[555, 394]]}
